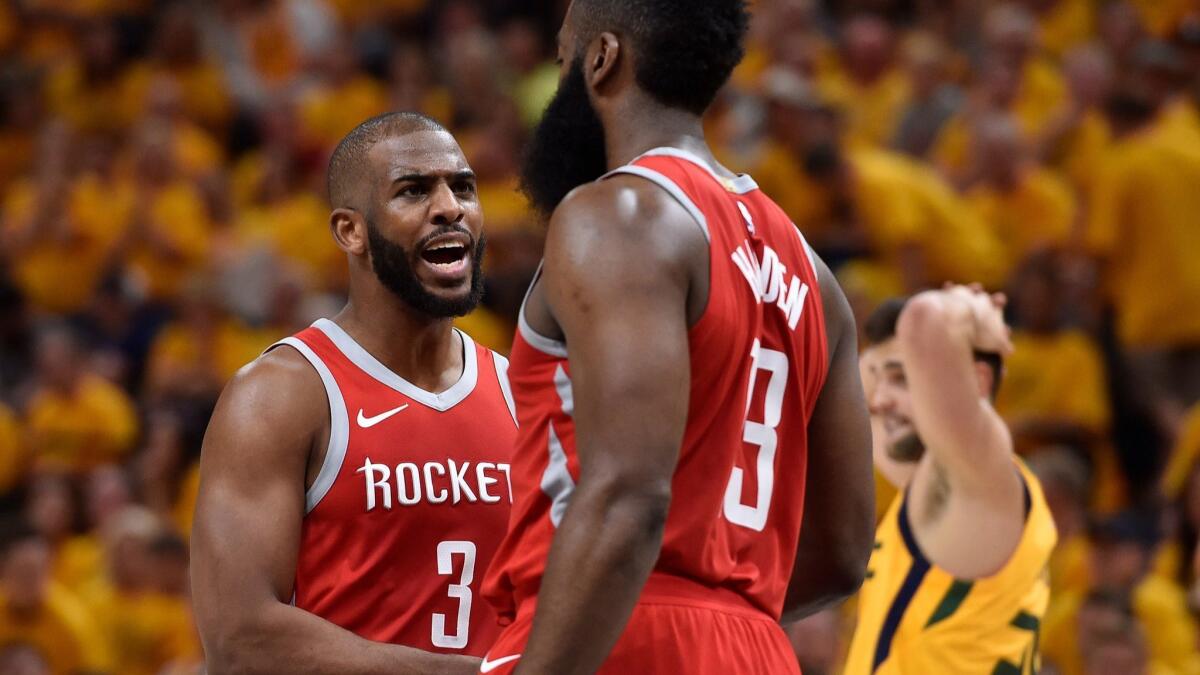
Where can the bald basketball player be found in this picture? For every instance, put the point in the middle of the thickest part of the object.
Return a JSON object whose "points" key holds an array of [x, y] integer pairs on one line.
{"points": [[354, 479], [694, 458]]}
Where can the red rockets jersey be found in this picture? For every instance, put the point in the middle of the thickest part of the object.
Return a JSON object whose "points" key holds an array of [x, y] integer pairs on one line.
{"points": [[758, 361], [411, 501]]}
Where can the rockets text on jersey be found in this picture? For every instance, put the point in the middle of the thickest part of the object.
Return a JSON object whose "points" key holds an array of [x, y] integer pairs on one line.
{"points": [[412, 498]]}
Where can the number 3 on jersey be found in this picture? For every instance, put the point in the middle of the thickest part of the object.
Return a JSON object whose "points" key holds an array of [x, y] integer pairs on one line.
{"points": [[461, 590], [761, 434]]}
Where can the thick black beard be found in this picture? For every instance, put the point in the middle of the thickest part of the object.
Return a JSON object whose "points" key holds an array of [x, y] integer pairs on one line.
{"points": [[909, 449], [390, 261], [567, 148]]}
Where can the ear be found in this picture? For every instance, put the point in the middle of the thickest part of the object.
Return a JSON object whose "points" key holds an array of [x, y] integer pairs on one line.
{"points": [[601, 59], [349, 231]]}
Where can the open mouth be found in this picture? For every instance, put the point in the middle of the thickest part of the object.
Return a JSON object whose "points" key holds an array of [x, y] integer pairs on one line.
{"points": [[447, 254]]}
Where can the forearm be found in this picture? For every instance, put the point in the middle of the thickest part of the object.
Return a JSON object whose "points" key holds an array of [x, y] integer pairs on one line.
{"points": [[602, 555], [284, 639]]}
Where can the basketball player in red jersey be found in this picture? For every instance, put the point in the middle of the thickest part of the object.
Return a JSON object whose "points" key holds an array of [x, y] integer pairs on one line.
{"points": [[354, 479], [694, 461]]}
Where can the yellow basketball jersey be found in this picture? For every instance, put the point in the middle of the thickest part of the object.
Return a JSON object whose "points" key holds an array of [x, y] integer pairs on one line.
{"points": [[917, 619]]}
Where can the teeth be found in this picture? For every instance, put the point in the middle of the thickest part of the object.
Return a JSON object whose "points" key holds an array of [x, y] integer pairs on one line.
{"points": [[445, 245]]}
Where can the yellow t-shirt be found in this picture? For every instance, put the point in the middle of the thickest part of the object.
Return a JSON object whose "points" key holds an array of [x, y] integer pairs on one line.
{"points": [[177, 214], [206, 99], [14, 454], [180, 351], [79, 562], [1036, 215], [96, 424], [1183, 456], [488, 329], [87, 107], [1142, 222], [145, 631], [296, 229], [64, 633], [871, 111], [914, 617], [1060, 375], [61, 275], [1068, 24], [328, 114], [1163, 16]]}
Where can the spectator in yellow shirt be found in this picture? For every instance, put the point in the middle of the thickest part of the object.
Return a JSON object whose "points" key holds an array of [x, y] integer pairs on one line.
{"points": [[1055, 389], [1142, 228], [14, 454], [1028, 208], [342, 97], [1078, 134], [87, 92], [867, 84], [1112, 641], [1064, 24], [75, 420], [146, 628], [168, 237], [1119, 563], [39, 614]]}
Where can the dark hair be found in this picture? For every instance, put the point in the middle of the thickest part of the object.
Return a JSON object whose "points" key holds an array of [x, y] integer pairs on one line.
{"points": [[15, 530], [348, 159], [881, 327], [684, 50]]}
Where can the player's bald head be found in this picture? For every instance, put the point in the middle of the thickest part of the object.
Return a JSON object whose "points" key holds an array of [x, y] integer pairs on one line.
{"points": [[349, 170]]}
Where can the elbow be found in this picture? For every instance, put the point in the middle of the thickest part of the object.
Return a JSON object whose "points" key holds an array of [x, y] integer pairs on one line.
{"points": [[237, 648], [638, 510], [922, 312]]}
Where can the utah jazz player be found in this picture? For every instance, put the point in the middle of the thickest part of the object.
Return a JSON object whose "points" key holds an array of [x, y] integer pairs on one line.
{"points": [[957, 583]]}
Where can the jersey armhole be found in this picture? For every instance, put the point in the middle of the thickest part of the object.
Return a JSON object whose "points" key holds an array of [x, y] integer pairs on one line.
{"points": [[501, 365], [339, 425]]}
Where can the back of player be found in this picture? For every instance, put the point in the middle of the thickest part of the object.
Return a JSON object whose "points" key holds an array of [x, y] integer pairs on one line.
{"points": [[758, 358]]}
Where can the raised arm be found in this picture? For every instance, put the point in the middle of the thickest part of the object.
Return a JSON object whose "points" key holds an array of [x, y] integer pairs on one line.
{"points": [[616, 285], [839, 499], [247, 535], [938, 333]]}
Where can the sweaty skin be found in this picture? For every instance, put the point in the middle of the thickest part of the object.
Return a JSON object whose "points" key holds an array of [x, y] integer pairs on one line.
{"points": [[626, 275], [266, 441]]}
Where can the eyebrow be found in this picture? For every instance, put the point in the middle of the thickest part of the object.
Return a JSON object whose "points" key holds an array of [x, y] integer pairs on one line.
{"points": [[893, 365], [418, 177]]}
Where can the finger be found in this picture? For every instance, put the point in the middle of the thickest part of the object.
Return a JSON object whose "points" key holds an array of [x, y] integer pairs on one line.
{"points": [[976, 286]]}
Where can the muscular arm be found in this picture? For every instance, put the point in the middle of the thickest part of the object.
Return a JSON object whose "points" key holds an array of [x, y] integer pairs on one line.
{"points": [[839, 500], [247, 535], [616, 286]]}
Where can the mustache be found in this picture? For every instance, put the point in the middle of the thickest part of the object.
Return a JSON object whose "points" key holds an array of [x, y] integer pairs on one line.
{"points": [[442, 230]]}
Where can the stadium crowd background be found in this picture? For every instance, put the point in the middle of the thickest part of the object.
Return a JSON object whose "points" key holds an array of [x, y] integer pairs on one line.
{"points": [[162, 220]]}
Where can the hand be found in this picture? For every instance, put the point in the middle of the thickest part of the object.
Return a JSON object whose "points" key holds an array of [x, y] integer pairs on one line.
{"points": [[989, 332]]}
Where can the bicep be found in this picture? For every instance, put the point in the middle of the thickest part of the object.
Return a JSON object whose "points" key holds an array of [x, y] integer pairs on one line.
{"points": [[250, 503]]}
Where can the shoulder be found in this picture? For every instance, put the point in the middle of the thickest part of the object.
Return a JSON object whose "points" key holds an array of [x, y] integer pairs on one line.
{"points": [[624, 220], [278, 391]]}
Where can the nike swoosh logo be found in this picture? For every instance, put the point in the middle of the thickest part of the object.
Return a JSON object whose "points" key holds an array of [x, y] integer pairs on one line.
{"points": [[489, 666], [368, 422]]}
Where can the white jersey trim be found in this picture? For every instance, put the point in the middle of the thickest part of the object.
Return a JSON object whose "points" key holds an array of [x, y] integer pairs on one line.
{"points": [[339, 427], [672, 189], [548, 346], [739, 185], [556, 482], [372, 366], [501, 364]]}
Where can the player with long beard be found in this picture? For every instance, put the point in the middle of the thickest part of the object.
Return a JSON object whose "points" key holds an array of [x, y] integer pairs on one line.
{"points": [[354, 479], [693, 462]]}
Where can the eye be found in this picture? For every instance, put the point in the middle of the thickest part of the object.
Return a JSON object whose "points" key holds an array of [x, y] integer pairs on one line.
{"points": [[465, 187], [412, 190]]}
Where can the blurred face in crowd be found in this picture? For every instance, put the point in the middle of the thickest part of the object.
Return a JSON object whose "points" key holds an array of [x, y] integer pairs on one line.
{"points": [[1034, 296], [50, 507], [59, 360], [1089, 75], [1110, 640], [1117, 564], [22, 659], [868, 47], [425, 229], [568, 146], [999, 150], [1011, 33], [25, 573], [108, 493]]}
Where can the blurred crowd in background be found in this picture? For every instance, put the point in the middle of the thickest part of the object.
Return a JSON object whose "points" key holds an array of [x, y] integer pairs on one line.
{"points": [[163, 220]]}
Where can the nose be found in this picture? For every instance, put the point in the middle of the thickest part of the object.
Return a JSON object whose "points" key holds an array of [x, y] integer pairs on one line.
{"points": [[444, 208], [878, 399]]}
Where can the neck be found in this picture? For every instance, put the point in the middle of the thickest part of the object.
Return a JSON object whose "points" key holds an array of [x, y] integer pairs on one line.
{"points": [[418, 348], [638, 124]]}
